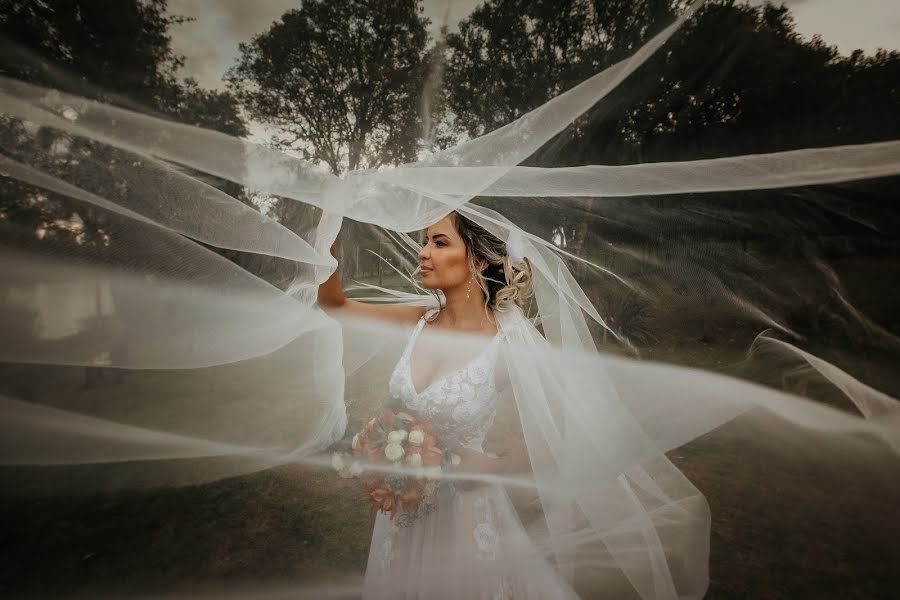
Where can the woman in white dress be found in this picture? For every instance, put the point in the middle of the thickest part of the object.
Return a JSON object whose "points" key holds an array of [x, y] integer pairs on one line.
{"points": [[473, 544]]}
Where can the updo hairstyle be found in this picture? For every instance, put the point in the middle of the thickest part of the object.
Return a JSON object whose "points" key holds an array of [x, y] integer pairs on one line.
{"points": [[503, 283]]}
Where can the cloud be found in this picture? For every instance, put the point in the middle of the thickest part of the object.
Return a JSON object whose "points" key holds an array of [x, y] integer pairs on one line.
{"points": [[865, 25], [210, 42], [449, 12], [236, 18]]}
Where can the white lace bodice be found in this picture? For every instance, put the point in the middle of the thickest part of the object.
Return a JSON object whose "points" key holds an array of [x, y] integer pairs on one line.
{"points": [[461, 404]]}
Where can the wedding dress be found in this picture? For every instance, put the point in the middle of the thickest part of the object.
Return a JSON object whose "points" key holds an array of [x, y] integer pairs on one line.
{"points": [[473, 544]]}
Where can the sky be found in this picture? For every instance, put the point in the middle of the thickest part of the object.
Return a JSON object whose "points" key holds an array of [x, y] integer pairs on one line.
{"points": [[210, 44]]}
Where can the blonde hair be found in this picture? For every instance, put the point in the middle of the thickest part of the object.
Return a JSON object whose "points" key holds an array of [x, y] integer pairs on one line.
{"points": [[502, 282]]}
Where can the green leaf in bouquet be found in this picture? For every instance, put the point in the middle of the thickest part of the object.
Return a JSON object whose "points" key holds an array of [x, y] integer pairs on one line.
{"points": [[396, 482], [394, 405]]}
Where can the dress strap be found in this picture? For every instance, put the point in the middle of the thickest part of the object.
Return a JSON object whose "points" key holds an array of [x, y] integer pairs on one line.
{"points": [[416, 331]]}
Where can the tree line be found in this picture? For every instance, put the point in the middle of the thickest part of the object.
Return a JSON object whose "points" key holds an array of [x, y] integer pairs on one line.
{"points": [[358, 84]]}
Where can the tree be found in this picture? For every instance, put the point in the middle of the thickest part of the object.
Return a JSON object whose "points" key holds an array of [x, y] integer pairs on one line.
{"points": [[118, 53], [340, 80], [108, 50], [511, 56], [739, 79], [735, 79], [344, 83]]}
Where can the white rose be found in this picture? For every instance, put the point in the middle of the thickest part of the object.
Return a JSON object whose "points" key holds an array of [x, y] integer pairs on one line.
{"points": [[393, 451], [355, 443], [356, 469], [417, 437], [414, 460], [337, 461], [397, 436]]}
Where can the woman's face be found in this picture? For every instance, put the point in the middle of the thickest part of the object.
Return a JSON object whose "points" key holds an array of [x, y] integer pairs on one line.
{"points": [[443, 258]]}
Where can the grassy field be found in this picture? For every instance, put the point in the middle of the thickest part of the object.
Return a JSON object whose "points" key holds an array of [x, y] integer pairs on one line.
{"points": [[779, 531]]}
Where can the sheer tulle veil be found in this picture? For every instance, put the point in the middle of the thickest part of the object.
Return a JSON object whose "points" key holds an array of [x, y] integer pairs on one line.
{"points": [[230, 373]]}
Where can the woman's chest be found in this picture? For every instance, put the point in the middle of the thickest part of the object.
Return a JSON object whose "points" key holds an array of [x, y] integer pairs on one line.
{"points": [[465, 397]]}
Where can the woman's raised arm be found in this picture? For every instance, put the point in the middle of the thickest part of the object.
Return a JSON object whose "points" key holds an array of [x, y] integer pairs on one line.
{"points": [[331, 298]]}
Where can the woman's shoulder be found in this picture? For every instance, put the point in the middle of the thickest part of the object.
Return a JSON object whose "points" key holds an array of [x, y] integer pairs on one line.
{"points": [[416, 314]]}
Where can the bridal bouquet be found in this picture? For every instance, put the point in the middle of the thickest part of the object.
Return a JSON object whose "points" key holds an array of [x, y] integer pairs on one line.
{"points": [[397, 440]]}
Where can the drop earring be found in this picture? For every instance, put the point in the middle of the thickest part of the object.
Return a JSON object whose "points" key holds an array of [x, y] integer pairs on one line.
{"points": [[469, 284]]}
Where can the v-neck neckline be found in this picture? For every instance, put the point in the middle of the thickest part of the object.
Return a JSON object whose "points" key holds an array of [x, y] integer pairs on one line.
{"points": [[412, 346]]}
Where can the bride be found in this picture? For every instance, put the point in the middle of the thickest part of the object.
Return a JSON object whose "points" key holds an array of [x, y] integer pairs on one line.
{"points": [[473, 545], [230, 374]]}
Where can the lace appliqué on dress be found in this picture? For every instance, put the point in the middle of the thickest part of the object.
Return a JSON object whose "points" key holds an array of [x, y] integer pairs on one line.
{"points": [[505, 592], [485, 530], [461, 404], [487, 539]]}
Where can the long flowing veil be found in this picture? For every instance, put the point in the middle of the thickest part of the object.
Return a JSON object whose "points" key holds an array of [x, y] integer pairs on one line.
{"points": [[690, 319]]}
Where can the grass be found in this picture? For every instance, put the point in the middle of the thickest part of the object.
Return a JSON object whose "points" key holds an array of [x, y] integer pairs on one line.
{"points": [[777, 532]]}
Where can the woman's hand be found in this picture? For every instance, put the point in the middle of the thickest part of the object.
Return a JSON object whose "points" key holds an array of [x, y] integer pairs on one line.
{"points": [[508, 455], [510, 447], [331, 297]]}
